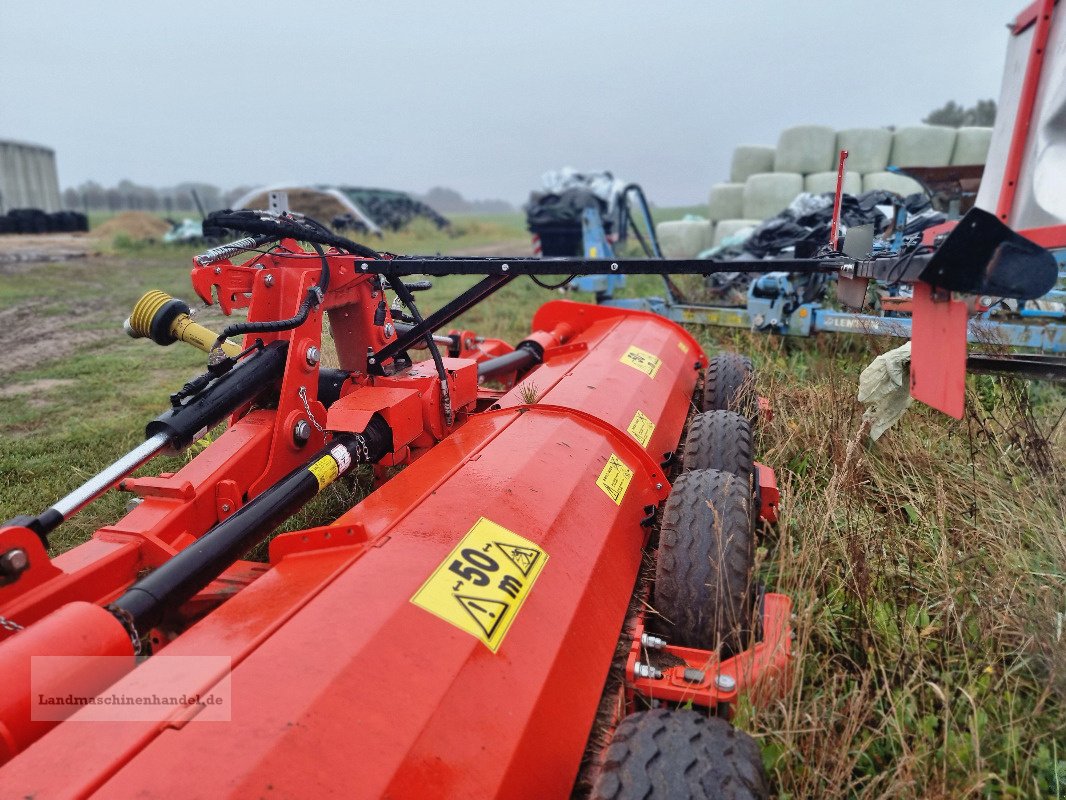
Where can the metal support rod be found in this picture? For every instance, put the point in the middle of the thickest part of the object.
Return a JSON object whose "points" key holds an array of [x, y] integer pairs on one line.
{"points": [[102, 481], [520, 359], [442, 316]]}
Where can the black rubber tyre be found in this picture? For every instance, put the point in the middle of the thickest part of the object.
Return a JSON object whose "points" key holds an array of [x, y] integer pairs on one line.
{"points": [[720, 440], [729, 385], [664, 754], [703, 570]]}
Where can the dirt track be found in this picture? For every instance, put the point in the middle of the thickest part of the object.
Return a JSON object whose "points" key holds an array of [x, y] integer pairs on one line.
{"points": [[19, 250]]}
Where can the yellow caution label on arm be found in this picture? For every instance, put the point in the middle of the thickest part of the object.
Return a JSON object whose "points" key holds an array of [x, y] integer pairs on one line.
{"points": [[641, 428], [615, 478], [481, 586], [641, 360], [325, 470]]}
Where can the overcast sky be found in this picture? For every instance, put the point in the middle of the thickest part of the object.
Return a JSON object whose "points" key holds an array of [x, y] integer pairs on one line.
{"points": [[480, 97]]}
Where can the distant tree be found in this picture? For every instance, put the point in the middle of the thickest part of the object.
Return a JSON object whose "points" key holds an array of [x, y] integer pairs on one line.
{"points": [[71, 198], [956, 116], [446, 201]]}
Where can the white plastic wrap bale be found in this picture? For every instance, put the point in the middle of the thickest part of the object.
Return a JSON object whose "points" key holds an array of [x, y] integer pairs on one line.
{"points": [[806, 149], [922, 146], [750, 159], [728, 228], [821, 182], [868, 148], [890, 182], [769, 193], [971, 146], [726, 201], [684, 238]]}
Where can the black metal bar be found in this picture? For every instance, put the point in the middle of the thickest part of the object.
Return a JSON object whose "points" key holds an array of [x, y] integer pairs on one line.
{"points": [[416, 333], [223, 395], [522, 358], [497, 266], [1033, 366]]}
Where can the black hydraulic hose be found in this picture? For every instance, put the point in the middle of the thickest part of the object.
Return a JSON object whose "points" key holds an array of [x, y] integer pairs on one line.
{"points": [[313, 299], [656, 251], [148, 601], [301, 228], [408, 299]]}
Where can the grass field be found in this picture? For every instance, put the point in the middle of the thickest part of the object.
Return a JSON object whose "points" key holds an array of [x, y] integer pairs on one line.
{"points": [[928, 570]]}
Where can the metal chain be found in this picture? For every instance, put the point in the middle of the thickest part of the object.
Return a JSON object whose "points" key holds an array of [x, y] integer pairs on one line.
{"points": [[307, 408], [365, 451], [125, 619], [10, 624]]}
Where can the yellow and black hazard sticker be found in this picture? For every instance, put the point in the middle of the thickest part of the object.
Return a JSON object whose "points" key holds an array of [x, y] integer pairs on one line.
{"points": [[642, 360], [614, 479], [325, 470], [641, 428], [481, 585]]}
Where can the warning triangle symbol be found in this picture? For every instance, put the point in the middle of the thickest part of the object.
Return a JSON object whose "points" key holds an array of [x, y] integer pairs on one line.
{"points": [[486, 613], [522, 557]]}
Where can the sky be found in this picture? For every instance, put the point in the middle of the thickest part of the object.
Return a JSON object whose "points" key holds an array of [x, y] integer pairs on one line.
{"points": [[479, 97]]}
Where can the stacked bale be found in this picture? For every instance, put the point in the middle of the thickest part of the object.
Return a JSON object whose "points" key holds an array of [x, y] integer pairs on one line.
{"points": [[806, 149], [923, 146], [731, 227], [750, 159], [726, 201], [684, 238], [820, 182], [769, 193], [868, 148], [971, 146], [890, 182]]}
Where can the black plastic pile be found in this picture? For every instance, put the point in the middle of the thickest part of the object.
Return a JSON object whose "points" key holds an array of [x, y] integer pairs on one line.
{"points": [[391, 210], [34, 220], [556, 219], [803, 227]]}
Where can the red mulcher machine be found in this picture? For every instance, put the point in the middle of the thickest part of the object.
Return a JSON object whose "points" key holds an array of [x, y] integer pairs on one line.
{"points": [[554, 595]]}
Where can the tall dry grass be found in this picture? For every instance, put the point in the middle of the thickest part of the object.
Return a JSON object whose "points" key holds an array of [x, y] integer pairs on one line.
{"points": [[928, 572]]}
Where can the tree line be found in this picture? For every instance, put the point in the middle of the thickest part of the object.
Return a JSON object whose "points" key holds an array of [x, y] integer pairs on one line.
{"points": [[129, 196]]}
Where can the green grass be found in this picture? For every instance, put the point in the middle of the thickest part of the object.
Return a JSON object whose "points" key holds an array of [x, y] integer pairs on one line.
{"points": [[928, 570]]}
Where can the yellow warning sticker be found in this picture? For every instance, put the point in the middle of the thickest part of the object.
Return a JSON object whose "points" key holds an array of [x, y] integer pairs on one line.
{"points": [[326, 470], [682, 346], [642, 360], [615, 478], [641, 428], [481, 585]]}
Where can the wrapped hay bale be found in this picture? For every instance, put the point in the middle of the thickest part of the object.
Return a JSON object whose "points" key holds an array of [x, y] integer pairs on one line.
{"points": [[750, 159], [922, 146], [890, 182], [730, 227], [770, 193], [726, 201], [868, 148], [806, 149], [684, 238], [971, 146], [820, 182]]}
